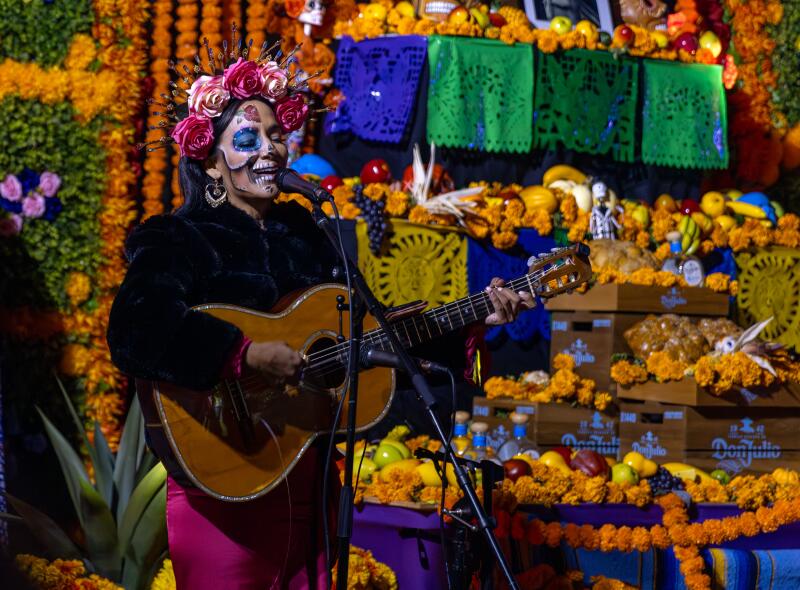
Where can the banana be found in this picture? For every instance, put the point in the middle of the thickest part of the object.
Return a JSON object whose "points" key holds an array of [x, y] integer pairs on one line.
{"points": [[690, 232], [563, 172], [583, 197], [693, 246], [689, 472], [747, 209], [563, 185]]}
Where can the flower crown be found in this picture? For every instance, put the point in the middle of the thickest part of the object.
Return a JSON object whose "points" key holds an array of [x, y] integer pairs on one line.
{"points": [[229, 75]]}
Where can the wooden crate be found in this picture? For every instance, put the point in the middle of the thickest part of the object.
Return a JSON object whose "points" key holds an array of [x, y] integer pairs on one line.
{"points": [[640, 299], [734, 439], [688, 393], [551, 425], [591, 338]]}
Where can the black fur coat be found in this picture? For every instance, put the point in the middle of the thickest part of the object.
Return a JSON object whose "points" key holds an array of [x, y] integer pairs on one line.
{"points": [[212, 256]]}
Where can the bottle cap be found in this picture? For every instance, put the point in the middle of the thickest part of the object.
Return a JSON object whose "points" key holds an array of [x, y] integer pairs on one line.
{"points": [[479, 427], [674, 236], [518, 418], [462, 416]]}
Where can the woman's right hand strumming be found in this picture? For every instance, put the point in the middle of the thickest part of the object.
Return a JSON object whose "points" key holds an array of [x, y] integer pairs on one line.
{"points": [[276, 359]]}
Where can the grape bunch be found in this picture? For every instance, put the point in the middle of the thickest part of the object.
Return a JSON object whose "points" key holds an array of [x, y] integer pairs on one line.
{"points": [[664, 482], [373, 213]]}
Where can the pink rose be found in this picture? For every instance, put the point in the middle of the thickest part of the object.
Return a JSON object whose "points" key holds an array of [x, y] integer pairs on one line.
{"points": [[291, 113], [10, 226], [195, 136], [208, 96], [276, 83], [49, 183], [33, 205], [243, 78], [11, 188]]}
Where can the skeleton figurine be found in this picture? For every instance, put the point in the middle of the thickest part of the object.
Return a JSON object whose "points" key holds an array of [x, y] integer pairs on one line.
{"points": [[602, 224], [759, 352], [312, 15]]}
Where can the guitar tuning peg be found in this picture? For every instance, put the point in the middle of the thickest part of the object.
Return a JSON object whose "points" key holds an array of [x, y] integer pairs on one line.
{"points": [[555, 249], [532, 260]]}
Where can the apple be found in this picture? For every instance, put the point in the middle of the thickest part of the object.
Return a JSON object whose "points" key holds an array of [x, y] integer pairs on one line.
{"points": [[516, 468], [480, 17], [624, 34], [386, 454], [555, 461], [624, 473], [689, 206], [497, 19], [376, 170], [458, 15], [665, 202], [587, 29], [331, 182], [404, 450], [713, 204], [368, 467], [589, 462], [721, 476], [561, 25], [686, 42], [710, 41], [726, 222]]}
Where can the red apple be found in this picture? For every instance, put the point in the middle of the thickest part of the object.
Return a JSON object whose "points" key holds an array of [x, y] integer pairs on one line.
{"points": [[497, 19], [591, 463], [689, 206], [625, 34], [687, 42], [565, 452], [516, 468], [375, 171], [331, 182]]}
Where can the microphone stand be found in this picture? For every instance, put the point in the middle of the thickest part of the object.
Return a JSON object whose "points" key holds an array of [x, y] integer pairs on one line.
{"points": [[345, 524]]}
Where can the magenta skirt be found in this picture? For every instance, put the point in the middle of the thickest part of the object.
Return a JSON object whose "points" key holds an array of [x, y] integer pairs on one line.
{"points": [[263, 544]]}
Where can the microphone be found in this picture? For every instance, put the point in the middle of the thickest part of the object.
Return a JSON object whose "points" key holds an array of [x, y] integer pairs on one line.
{"points": [[290, 181], [374, 357]]}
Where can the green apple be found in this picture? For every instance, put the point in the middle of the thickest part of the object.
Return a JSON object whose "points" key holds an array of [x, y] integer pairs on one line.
{"points": [[404, 450], [561, 25], [721, 476], [386, 454], [624, 473], [368, 467]]}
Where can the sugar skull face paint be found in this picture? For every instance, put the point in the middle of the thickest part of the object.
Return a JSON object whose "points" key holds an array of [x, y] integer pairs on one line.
{"points": [[253, 149]]}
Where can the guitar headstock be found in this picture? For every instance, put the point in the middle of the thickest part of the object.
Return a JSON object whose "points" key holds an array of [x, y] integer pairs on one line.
{"points": [[561, 270]]}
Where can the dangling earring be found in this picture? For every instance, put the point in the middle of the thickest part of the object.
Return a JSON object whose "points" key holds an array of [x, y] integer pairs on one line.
{"points": [[216, 193]]}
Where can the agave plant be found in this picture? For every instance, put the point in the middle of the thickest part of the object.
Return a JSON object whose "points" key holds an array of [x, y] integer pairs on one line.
{"points": [[122, 514]]}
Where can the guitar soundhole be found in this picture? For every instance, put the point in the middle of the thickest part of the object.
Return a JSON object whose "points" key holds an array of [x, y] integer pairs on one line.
{"points": [[326, 369]]}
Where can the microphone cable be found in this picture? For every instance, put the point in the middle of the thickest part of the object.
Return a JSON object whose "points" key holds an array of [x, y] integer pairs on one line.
{"points": [[449, 441]]}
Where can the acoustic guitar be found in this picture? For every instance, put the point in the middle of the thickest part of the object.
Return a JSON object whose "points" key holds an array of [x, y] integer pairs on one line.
{"points": [[240, 439]]}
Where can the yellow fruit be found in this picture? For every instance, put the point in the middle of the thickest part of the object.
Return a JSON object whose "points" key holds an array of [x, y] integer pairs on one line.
{"points": [[405, 9], [611, 462], [642, 214], [747, 210], [563, 172], [375, 11], [404, 450], [635, 461], [726, 222], [666, 202], [713, 204], [556, 461], [785, 476], [583, 197], [660, 38], [427, 471], [406, 465], [649, 468], [688, 472], [587, 29], [733, 194], [703, 222], [538, 197]]}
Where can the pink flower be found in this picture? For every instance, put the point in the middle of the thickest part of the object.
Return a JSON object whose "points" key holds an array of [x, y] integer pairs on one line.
{"points": [[243, 78], [11, 188], [208, 96], [49, 183], [33, 205], [291, 113], [10, 226], [276, 82], [195, 136]]}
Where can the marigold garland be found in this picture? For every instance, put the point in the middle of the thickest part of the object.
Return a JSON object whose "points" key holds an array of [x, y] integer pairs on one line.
{"points": [[365, 572], [60, 574]]}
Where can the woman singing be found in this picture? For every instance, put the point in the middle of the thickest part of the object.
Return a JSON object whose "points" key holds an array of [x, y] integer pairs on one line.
{"points": [[231, 243]]}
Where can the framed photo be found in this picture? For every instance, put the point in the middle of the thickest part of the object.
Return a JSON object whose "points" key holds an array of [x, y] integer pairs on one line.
{"points": [[541, 12]]}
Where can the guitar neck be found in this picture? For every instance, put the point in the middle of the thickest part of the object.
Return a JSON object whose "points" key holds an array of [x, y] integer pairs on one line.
{"points": [[447, 318]]}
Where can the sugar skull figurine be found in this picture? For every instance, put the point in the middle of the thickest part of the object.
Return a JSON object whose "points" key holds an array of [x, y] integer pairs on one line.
{"points": [[435, 10], [312, 15], [649, 14], [602, 224]]}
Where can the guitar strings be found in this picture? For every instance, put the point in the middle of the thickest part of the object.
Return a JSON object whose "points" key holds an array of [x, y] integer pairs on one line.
{"points": [[329, 361]]}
